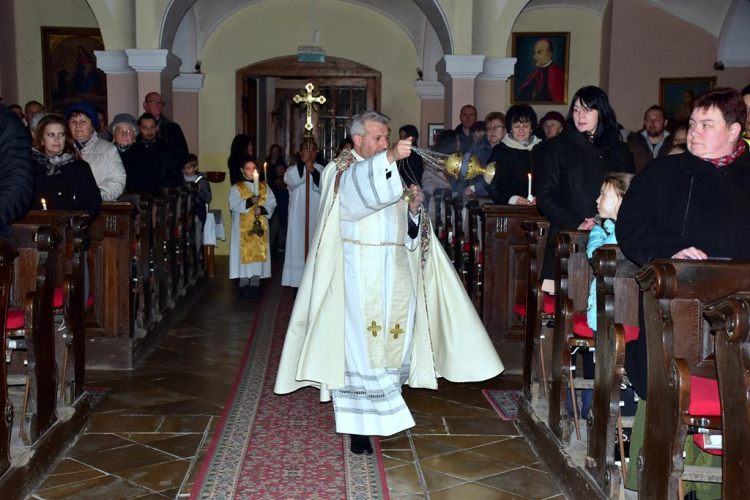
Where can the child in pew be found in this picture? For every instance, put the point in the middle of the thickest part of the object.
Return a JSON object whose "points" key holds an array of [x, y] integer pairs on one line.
{"points": [[252, 203], [613, 190], [200, 205]]}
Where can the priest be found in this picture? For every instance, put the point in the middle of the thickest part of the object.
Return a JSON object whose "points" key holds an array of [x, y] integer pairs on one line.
{"points": [[303, 181], [379, 304]]}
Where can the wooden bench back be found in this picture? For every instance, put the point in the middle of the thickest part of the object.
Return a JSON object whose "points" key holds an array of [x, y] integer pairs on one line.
{"points": [[7, 256]]}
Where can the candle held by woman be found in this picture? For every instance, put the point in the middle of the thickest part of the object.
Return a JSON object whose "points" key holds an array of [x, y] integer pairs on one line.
{"points": [[44, 204], [529, 197]]}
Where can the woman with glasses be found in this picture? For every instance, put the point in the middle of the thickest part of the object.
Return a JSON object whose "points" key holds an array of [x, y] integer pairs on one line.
{"points": [[513, 158]]}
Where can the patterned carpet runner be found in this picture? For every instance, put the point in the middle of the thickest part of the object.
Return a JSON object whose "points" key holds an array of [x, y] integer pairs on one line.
{"points": [[505, 402], [281, 447]]}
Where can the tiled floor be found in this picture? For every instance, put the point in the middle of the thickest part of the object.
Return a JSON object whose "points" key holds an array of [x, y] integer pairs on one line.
{"points": [[149, 437]]}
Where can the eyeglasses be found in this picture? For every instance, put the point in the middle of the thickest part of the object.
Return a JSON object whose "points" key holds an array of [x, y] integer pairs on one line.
{"points": [[123, 132], [497, 127], [158, 103]]}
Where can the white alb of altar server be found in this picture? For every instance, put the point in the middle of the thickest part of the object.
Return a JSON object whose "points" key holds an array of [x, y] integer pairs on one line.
{"points": [[238, 205], [294, 256], [360, 326]]}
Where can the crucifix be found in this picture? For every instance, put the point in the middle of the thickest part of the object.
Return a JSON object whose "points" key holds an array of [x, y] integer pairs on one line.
{"points": [[309, 101]]}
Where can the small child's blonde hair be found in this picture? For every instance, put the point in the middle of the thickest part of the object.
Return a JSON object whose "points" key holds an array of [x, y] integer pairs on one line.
{"points": [[620, 182]]}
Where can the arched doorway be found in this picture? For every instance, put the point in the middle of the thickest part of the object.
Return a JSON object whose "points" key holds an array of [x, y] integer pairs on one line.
{"points": [[265, 111]]}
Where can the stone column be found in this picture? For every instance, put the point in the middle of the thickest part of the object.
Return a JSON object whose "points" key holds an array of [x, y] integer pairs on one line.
{"points": [[432, 94], [122, 82], [156, 69], [457, 73], [490, 87], [185, 98]]}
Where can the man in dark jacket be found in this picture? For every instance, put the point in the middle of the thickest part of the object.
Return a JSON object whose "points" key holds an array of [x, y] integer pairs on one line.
{"points": [[169, 131], [148, 162], [16, 174], [653, 141]]}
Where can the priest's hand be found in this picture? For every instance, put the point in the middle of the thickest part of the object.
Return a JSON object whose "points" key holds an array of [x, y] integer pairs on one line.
{"points": [[401, 150], [257, 210], [418, 195]]}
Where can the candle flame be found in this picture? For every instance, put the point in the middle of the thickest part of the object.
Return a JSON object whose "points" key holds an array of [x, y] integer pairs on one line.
{"points": [[44, 204], [529, 176]]}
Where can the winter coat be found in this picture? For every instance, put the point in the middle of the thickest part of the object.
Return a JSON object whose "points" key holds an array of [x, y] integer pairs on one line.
{"points": [[171, 134], [513, 163], [599, 235], [149, 166], [16, 177], [642, 152], [73, 188], [569, 174], [106, 165], [677, 202]]}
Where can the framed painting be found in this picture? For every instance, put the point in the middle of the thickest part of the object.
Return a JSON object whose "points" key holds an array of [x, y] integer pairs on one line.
{"points": [[70, 72], [676, 95], [542, 67], [433, 131]]}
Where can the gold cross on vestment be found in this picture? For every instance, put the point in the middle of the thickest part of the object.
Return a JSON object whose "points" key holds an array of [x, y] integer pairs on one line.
{"points": [[374, 328], [396, 331], [309, 101]]}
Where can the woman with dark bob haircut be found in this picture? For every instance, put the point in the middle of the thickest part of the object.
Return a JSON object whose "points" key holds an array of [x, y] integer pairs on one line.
{"points": [[695, 206], [513, 158], [571, 168]]}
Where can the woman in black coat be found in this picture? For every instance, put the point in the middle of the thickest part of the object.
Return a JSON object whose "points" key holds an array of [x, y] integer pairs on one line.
{"points": [[61, 177], [513, 158], [572, 166], [242, 147]]}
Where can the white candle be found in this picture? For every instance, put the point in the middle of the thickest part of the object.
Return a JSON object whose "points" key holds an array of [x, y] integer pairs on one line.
{"points": [[265, 169], [529, 197], [255, 183], [44, 204]]}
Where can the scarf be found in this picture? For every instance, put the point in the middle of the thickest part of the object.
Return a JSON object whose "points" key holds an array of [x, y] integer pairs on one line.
{"points": [[728, 159], [121, 148], [52, 163]]}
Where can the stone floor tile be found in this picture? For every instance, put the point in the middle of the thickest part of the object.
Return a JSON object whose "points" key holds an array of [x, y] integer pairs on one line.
{"points": [[395, 443], [495, 426], [436, 481], [511, 450], [428, 425], [109, 487], [404, 480], [168, 379], [467, 465], [473, 491], [183, 446], [116, 422], [429, 405], [147, 397], [184, 423], [403, 455], [530, 483], [158, 477], [70, 471], [428, 449], [125, 458], [147, 437], [185, 407], [389, 462], [90, 443], [465, 442]]}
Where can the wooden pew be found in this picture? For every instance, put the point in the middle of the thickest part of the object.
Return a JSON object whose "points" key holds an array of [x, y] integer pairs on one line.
{"points": [[33, 292], [617, 309], [505, 272], [573, 276], [439, 198], [679, 346], [7, 256], [475, 257], [537, 347], [730, 319]]}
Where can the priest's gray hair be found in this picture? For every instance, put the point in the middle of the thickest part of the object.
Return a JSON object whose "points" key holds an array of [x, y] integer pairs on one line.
{"points": [[358, 121]]}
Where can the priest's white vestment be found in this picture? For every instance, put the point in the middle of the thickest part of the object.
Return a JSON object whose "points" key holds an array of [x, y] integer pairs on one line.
{"points": [[239, 206], [294, 254], [377, 308]]}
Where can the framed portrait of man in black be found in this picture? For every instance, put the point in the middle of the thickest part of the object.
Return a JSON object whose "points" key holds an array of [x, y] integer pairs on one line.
{"points": [[542, 65], [70, 72]]}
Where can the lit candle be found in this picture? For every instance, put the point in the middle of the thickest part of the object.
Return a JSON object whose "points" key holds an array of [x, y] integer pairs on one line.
{"points": [[529, 197], [265, 169], [255, 182], [44, 204]]}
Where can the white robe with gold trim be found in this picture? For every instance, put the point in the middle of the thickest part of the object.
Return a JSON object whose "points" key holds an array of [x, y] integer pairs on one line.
{"points": [[327, 340]]}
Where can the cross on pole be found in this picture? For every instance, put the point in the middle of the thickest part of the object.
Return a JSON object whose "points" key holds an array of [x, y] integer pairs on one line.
{"points": [[309, 101]]}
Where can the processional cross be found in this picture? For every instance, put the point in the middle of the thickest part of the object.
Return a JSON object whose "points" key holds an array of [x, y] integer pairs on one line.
{"points": [[309, 101]]}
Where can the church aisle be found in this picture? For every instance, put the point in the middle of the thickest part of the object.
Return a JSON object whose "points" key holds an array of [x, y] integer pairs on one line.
{"points": [[461, 449], [149, 436]]}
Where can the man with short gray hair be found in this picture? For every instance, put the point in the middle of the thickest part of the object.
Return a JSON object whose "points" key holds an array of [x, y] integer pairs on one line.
{"points": [[360, 328]]}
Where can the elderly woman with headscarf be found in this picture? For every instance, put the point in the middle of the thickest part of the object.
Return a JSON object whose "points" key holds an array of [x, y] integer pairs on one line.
{"points": [[513, 158], [102, 156]]}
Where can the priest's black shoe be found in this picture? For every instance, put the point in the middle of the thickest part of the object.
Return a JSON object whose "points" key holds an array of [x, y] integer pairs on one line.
{"points": [[361, 445]]}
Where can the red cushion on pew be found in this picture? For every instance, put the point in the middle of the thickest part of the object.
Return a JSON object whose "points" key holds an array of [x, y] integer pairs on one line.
{"points": [[699, 442], [581, 326], [549, 304], [704, 397], [58, 300], [15, 320], [520, 309], [90, 301], [631, 333]]}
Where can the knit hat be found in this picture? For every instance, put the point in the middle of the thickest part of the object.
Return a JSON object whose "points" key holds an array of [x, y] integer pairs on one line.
{"points": [[552, 115], [124, 118], [82, 107]]}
